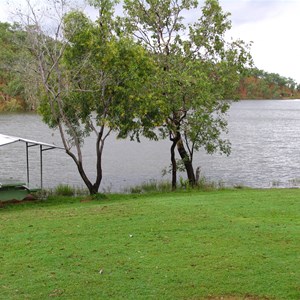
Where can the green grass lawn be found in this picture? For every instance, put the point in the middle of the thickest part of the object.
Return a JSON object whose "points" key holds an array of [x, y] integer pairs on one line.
{"points": [[235, 244]]}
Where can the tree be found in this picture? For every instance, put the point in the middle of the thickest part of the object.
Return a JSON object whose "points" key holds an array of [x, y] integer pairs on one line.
{"points": [[199, 70], [89, 77], [12, 93]]}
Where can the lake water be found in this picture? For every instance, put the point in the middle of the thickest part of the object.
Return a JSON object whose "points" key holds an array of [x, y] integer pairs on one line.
{"points": [[265, 138]]}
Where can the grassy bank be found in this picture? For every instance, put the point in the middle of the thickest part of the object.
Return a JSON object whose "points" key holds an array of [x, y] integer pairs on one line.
{"points": [[236, 244]]}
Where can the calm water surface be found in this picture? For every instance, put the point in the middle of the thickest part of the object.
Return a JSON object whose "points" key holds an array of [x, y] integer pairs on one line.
{"points": [[265, 138]]}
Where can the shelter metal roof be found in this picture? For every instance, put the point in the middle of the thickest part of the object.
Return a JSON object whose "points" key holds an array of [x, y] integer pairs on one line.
{"points": [[8, 139]]}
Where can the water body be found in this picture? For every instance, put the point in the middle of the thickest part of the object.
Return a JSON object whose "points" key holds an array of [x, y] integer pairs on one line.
{"points": [[265, 138]]}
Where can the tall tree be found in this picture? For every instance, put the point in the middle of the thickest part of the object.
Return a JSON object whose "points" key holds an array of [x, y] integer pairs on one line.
{"points": [[199, 70], [89, 77]]}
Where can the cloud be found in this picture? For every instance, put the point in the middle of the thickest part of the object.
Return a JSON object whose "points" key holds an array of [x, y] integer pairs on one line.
{"points": [[273, 31], [249, 11]]}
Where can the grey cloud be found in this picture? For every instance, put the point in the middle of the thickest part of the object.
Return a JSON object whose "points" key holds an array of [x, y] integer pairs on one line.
{"points": [[246, 11], [253, 10]]}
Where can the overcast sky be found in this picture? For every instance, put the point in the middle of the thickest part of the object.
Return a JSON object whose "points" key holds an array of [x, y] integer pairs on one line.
{"points": [[272, 26]]}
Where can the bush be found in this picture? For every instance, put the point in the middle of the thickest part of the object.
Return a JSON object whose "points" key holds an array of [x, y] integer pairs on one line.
{"points": [[13, 105], [64, 190], [150, 186]]}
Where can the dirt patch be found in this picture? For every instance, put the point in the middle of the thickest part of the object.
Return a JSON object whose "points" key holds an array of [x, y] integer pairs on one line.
{"points": [[28, 199], [85, 200], [247, 297]]}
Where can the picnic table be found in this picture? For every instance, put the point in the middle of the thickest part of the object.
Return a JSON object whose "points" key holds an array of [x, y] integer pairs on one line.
{"points": [[13, 190]]}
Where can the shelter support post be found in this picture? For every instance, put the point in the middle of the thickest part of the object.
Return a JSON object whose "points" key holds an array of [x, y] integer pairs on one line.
{"points": [[41, 161], [27, 164], [41, 165]]}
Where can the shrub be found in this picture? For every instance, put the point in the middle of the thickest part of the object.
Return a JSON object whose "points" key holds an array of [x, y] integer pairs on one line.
{"points": [[150, 186], [13, 105], [64, 190]]}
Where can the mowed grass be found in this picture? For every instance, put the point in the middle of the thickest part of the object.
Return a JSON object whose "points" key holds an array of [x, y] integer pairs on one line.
{"points": [[235, 244]]}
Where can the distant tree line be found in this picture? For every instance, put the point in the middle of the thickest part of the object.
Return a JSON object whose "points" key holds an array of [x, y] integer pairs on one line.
{"points": [[258, 84]]}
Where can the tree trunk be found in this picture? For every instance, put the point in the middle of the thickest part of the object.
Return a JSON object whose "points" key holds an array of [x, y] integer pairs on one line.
{"points": [[174, 141], [93, 188], [187, 162], [174, 166], [99, 151]]}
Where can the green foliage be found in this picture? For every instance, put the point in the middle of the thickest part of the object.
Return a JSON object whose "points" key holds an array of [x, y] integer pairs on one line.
{"points": [[198, 70], [184, 184], [64, 190], [12, 83], [12, 105], [179, 166], [18, 70], [99, 196], [106, 75], [152, 186]]}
